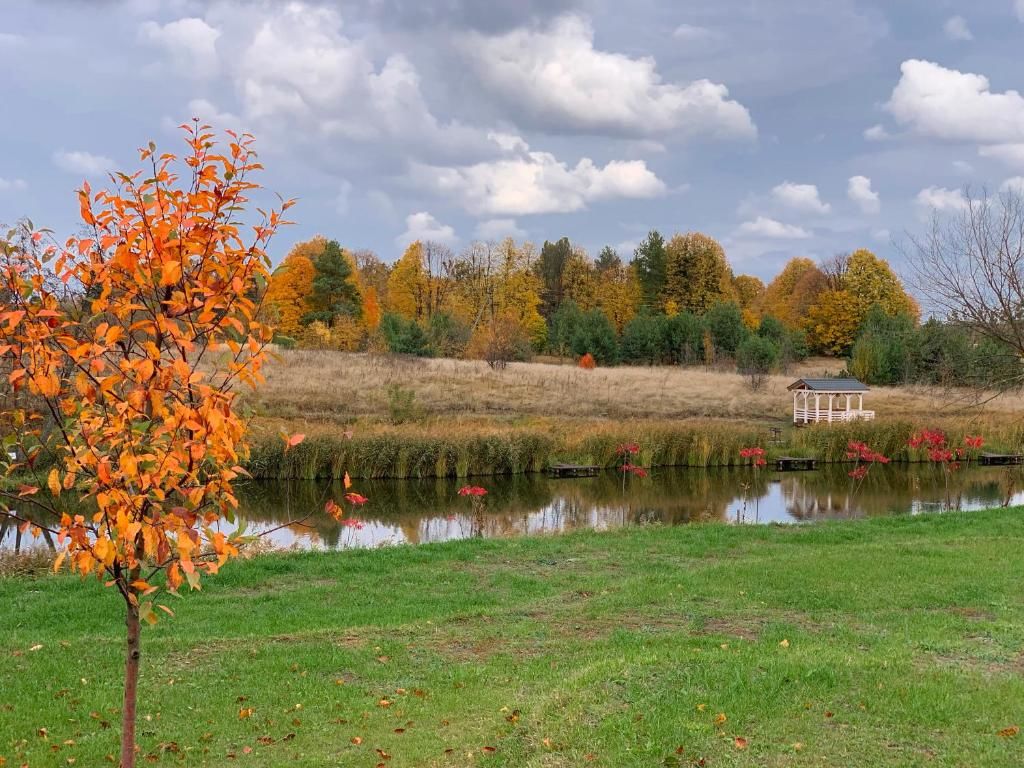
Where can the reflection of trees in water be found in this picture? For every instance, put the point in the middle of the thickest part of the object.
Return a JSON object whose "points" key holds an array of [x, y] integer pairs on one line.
{"points": [[829, 493], [430, 510]]}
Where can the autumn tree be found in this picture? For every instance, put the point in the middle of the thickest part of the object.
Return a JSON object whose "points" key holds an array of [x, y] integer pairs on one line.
{"points": [[697, 275], [290, 284], [406, 284], [749, 294], [649, 264], [618, 294], [372, 274], [132, 341], [579, 280], [788, 297], [550, 268], [334, 294], [832, 321]]}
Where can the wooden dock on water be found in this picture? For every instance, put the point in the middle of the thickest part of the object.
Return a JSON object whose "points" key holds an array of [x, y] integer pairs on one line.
{"points": [[795, 464], [573, 470], [1000, 459]]}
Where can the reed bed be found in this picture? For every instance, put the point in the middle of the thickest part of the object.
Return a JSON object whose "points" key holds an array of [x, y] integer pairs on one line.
{"points": [[469, 449]]}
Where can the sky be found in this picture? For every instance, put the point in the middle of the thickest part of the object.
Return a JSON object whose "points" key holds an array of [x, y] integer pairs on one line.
{"points": [[780, 127]]}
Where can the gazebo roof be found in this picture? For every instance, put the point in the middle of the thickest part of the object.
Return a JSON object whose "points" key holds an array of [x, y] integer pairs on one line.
{"points": [[829, 385]]}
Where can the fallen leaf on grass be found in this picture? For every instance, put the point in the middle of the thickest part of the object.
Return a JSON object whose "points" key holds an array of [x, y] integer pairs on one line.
{"points": [[1010, 732], [245, 712], [357, 740], [784, 643], [740, 742], [720, 718]]}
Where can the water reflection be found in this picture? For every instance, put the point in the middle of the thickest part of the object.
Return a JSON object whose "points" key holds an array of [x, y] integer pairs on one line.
{"points": [[416, 512]]}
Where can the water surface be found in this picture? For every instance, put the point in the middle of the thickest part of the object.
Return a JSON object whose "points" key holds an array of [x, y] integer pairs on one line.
{"points": [[421, 511]]}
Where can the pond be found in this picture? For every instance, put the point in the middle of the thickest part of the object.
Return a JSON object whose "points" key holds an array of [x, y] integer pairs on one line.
{"points": [[421, 511]]}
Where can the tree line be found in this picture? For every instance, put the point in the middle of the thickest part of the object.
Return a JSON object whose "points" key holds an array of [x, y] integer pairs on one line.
{"points": [[676, 302]]}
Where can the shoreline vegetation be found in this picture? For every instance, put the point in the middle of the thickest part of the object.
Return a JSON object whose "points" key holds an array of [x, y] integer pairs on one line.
{"points": [[648, 646], [379, 417]]}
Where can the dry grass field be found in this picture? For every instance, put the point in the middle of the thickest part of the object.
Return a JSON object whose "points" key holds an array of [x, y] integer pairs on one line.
{"points": [[326, 389]]}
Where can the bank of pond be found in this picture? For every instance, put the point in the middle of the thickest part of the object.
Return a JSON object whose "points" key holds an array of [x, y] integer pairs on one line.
{"points": [[459, 451], [423, 511]]}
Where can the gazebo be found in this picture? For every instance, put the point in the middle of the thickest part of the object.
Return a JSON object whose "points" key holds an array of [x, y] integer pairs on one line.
{"points": [[828, 400]]}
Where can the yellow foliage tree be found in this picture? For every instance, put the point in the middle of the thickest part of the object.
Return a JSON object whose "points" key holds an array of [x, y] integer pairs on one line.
{"points": [[407, 284], [697, 275], [289, 286], [371, 308], [618, 294], [832, 321], [789, 296]]}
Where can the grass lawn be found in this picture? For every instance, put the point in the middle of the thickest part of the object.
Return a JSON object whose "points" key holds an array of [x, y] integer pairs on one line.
{"points": [[887, 642]]}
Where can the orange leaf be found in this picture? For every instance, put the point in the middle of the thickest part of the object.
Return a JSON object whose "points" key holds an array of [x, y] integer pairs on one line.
{"points": [[27, 490], [1009, 732], [347, 481], [53, 482], [740, 742]]}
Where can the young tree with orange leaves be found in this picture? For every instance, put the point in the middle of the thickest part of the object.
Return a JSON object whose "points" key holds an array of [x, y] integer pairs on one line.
{"points": [[128, 345]]}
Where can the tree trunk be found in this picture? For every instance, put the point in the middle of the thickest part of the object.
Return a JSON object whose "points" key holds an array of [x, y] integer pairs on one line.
{"points": [[131, 681]]}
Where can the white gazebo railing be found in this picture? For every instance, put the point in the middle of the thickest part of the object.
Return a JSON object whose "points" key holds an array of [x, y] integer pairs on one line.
{"points": [[829, 400]]}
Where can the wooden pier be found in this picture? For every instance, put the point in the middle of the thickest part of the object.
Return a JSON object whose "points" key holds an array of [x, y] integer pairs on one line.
{"points": [[794, 464], [573, 470], [1000, 459]]}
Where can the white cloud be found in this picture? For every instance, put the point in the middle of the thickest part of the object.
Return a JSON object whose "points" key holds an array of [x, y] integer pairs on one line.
{"points": [[499, 229], [940, 199], [422, 226], [1018, 7], [876, 133], [858, 189], [557, 78], [300, 71], [190, 43], [800, 197], [956, 28], [962, 166], [1014, 184], [1010, 154], [881, 235], [12, 185], [537, 182], [86, 163], [763, 226], [949, 104]]}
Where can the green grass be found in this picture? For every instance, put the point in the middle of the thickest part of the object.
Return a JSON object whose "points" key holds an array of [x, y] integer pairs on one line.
{"points": [[905, 641]]}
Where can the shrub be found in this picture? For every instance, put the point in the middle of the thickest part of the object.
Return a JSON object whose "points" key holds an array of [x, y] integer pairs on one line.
{"points": [[499, 343], [596, 334], [402, 404], [404, 337], [643, 339], [448, 335], [757, 357], [725, 323], [587, 362]]}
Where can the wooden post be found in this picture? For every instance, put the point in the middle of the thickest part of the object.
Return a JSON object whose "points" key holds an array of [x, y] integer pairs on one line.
{"points": [[860, 402], [817, 407], [794, 406], [807, 406], [830, 397], [847, 406]]}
